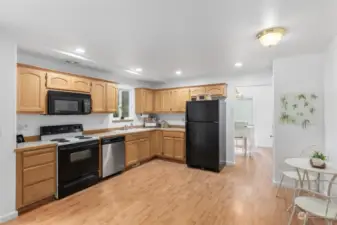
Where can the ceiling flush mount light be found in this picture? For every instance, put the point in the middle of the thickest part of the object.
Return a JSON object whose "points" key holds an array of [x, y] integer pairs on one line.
{"points": [[271, 36], [80, 50], [238, 64], [139, 70], [179, 72]]}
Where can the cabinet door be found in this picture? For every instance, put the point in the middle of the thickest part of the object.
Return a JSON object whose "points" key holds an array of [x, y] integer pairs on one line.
{"points": [[31, 91], [149, 101], [81, 84], [131, 153], [168, 146], [179, 148], [144, 149], [154, 143], [98, 96], [59, 81], [216, 90], [166, 101], [174, 100], [183, 97], [111, 97], [157, 101], [197, 91]]}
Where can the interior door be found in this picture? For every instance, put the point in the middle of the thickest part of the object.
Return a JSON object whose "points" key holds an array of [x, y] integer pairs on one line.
{"points": [[202, 144]]}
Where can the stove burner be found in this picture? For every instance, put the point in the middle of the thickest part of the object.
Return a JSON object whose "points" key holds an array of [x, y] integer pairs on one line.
{"points": [[83, 137], [60, 140]]}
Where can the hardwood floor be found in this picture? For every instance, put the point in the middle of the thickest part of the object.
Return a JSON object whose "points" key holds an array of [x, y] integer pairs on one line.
{"points": [[165, 193]]}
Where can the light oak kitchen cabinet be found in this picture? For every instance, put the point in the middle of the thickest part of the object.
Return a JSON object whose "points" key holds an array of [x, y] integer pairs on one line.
{"points": [[35, 175], [98, 96], [144, 100], [179, 98], [80, 84], [197, 91], [111, 97], [166, 101], [137, 148], [59, 81], [31, 90], [174, 145], [157, 101], [156, 143], [216, 90]]}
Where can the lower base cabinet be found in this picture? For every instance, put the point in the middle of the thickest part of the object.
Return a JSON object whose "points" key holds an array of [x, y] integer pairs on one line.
{"points": [[136, 151], [174, 145], [35, 175]]}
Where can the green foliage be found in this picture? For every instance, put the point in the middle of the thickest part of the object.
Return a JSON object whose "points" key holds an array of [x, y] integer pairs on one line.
{"points": [[318, 155], [301, 96]]}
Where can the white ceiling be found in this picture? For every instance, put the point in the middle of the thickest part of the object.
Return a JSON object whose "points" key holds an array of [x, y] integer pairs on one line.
{"points": [[200, 37]]}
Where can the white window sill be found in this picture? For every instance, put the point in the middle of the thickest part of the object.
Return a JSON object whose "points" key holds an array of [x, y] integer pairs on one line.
{"points": [[119, 120]]}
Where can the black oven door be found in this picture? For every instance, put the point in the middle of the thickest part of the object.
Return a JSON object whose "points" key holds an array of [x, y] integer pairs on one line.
{"points": [[66, 103], [77, 160]]}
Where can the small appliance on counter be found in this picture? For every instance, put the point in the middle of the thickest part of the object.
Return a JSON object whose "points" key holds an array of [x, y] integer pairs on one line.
{"points": [[77, 158], [19, 139], [150, 122]]}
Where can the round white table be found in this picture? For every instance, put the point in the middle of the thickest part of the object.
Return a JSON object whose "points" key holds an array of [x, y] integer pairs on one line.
{"points": [[303, 164]]}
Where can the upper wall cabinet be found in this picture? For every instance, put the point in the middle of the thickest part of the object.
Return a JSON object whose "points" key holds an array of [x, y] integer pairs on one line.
{"points": [[59, 81], [104, 97], [98, 96], [111, 97], [144, 100], [80, 84], [31, 91], [197, 91], [216, 90]]}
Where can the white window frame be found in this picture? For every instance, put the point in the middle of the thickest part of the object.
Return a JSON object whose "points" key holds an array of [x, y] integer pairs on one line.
{"points": [[120, 90]]}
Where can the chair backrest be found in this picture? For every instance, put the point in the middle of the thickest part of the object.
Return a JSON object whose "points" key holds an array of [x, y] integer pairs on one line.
{"points": [[240, 129]]}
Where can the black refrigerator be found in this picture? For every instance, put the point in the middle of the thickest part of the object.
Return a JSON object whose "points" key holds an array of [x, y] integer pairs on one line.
{"points": [[206, 134]]}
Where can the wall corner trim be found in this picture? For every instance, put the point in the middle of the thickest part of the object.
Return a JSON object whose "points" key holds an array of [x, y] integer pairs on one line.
{"points": [[8, 216]]}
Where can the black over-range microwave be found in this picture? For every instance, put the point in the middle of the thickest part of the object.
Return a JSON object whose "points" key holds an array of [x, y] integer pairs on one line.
{"points": [[67, 103]]}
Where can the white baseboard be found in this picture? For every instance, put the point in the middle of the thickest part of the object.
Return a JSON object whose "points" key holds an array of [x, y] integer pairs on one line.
{"points": [[9, 216], [228, 163]]}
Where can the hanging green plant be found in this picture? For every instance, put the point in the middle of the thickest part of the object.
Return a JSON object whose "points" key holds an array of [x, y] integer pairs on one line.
{"points": [[312, 110], [306, 104], [295, 106], [284, 118]]}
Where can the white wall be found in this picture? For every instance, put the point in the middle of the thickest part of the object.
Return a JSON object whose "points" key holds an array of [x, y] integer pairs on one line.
{"points": [[263, 104], [302, 73], [7, 129], [330, 103], [29, 125]]}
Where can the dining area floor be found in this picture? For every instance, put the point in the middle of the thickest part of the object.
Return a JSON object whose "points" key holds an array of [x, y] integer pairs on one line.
{"points": [[165, 193]]}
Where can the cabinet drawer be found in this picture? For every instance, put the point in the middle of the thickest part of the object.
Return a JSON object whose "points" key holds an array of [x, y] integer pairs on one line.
{"points": [[39, 173], [176, 134], [137, 136], [39, 191], [38, 157]]}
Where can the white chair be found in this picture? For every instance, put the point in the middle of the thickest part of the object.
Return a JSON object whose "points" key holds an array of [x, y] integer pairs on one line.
{"points": [[292, 174], [316, 205], [240, 133]]}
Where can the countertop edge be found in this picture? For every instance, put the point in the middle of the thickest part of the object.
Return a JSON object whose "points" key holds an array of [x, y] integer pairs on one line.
{"points": [[29, 148]]}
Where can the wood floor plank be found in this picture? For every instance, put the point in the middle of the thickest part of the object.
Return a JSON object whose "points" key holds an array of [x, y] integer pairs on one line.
{"points": [[168, 193]]}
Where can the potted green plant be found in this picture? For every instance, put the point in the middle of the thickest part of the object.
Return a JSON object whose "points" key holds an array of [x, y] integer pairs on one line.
{"points": [[318, 159]]}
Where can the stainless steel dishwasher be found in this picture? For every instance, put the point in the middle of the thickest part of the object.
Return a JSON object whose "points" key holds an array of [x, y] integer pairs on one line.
{"points": [[113, 155]]}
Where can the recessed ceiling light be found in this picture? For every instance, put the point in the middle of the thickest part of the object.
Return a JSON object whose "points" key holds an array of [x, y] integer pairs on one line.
{"points": [[271, 36], [179, 72], [80, 50], [139, 70], [132, 72], [238, 64]]}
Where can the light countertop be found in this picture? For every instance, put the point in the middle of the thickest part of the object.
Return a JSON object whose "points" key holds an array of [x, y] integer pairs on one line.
{"points": [[45, 144]]}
